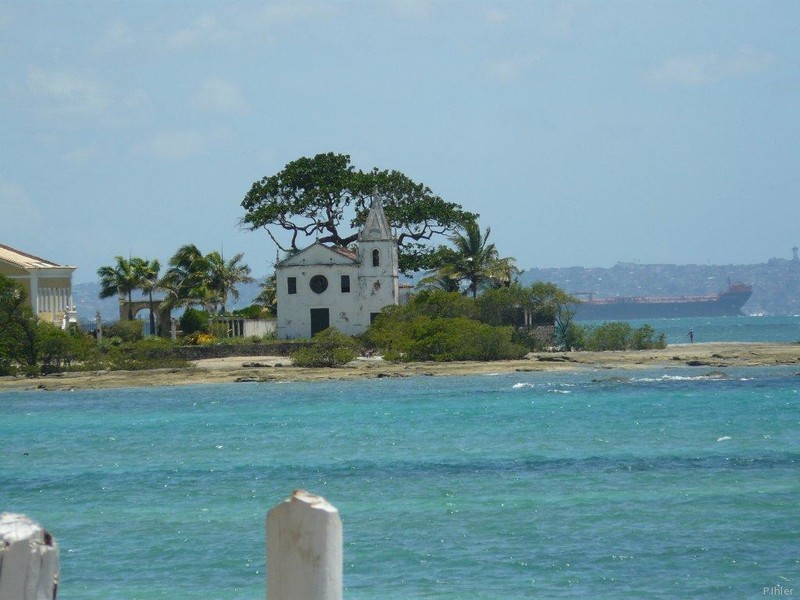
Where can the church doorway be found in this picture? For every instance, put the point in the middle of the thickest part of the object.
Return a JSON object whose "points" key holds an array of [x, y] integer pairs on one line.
{"points": [[320, 319]]}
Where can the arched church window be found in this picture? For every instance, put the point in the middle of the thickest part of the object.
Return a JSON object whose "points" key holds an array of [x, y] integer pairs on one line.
{"points": [[376, 258]]}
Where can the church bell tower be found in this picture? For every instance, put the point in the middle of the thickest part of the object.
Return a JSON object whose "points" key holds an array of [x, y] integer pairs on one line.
{"points": [[377, 253]]}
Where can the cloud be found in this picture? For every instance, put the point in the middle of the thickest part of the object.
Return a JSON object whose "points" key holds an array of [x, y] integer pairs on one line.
{"points": [[412, 9], [66, 94], [204, 31], [136, 102], [278, 14], [17, 208], [116, 36], [174, 145], [237, 26], [494, 15], [565, 18], [84, 154], [707, 69], [218, 95], [512, 68], [747, 61]]}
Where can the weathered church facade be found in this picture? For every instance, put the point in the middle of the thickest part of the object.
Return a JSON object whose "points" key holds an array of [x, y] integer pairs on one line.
{"points": [[324, 286]]}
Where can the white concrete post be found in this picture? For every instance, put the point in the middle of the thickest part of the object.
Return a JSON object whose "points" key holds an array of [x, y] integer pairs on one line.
{"points": [[304, 549], [28, 560]]}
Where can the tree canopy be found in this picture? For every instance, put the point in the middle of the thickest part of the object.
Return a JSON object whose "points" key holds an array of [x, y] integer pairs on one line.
{"points": [[326, 198]]}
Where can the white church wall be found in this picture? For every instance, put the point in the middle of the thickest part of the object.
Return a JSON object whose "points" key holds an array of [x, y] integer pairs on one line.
{"points": [[294, 309]]}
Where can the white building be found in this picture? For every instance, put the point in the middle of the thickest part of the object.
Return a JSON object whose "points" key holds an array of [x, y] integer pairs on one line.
{"points": [[323, 286], [47, 285]]}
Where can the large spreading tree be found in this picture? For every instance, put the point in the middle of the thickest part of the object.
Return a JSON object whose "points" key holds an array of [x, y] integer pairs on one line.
{"points": [[327, 199]]}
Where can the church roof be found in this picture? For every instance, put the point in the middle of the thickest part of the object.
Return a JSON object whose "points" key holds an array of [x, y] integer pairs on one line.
{"points": [[319, 253], [345, 252], [26, 261]]}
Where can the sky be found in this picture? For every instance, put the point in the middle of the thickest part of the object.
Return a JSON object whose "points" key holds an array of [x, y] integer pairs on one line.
{"points": [[584, 133]]}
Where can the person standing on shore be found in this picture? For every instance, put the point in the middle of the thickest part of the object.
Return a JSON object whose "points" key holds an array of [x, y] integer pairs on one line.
{"points": [[691, 335]]}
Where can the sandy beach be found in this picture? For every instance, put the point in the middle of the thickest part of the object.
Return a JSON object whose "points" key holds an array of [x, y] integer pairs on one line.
{"points": [[279, 369]]}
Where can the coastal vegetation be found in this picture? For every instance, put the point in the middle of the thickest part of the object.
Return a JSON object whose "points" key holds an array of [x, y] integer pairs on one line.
{"points": [[329, 348], [17, 328]]}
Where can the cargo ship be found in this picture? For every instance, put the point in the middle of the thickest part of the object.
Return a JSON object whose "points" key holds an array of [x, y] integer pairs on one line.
{"points": [[725, 304]]}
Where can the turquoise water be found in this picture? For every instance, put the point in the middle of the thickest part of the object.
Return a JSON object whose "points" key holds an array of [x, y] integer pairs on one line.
{"points": [[724, 329], [671, 483]]}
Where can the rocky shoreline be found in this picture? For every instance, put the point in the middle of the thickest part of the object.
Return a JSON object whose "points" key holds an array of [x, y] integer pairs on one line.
{"points": [[716, 355]]}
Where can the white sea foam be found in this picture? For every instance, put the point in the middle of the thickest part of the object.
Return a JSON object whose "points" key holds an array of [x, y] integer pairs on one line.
{"points": [[706, 377], [724, 438]]}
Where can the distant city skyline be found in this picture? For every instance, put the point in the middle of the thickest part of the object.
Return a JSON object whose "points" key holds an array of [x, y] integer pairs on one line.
{"points": [[584, 133]]}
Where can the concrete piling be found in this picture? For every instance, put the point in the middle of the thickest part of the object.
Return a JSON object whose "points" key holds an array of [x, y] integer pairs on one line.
{"points": [[304, 549], [29, 565]]}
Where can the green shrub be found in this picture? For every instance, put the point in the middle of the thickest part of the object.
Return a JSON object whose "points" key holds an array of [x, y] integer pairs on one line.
{"points": [[127, 331], [219, 329], [571, 336], [443, 339], [502, 306], [194, 321], [622, 336], [17, 329], [328, 348], [438, 303], [644, 338], [59, 350], [150, 353], [530, 338]]}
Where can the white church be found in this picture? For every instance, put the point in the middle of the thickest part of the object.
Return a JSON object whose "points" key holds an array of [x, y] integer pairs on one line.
{"points": [[328, 286]]}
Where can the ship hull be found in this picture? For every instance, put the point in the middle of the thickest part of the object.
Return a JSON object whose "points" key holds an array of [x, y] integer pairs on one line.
{"points": [[726, 304]]}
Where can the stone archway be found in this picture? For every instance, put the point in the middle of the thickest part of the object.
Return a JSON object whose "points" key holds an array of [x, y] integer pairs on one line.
{"points": [[163, 315]]}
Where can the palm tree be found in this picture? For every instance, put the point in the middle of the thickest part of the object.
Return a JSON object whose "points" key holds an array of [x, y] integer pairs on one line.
{"points": [[434, 280], [223, 277], [205, 280], [121, 279], [147, 272], [475, 261], [268, 296], [186, 281]]}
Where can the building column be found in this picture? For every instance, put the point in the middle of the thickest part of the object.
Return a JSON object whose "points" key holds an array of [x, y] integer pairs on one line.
{"points": [[34, 299]]}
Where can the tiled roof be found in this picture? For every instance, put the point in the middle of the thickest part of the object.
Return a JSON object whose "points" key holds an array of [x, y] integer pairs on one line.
{"points": [[344, 252], [25, 260]]}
